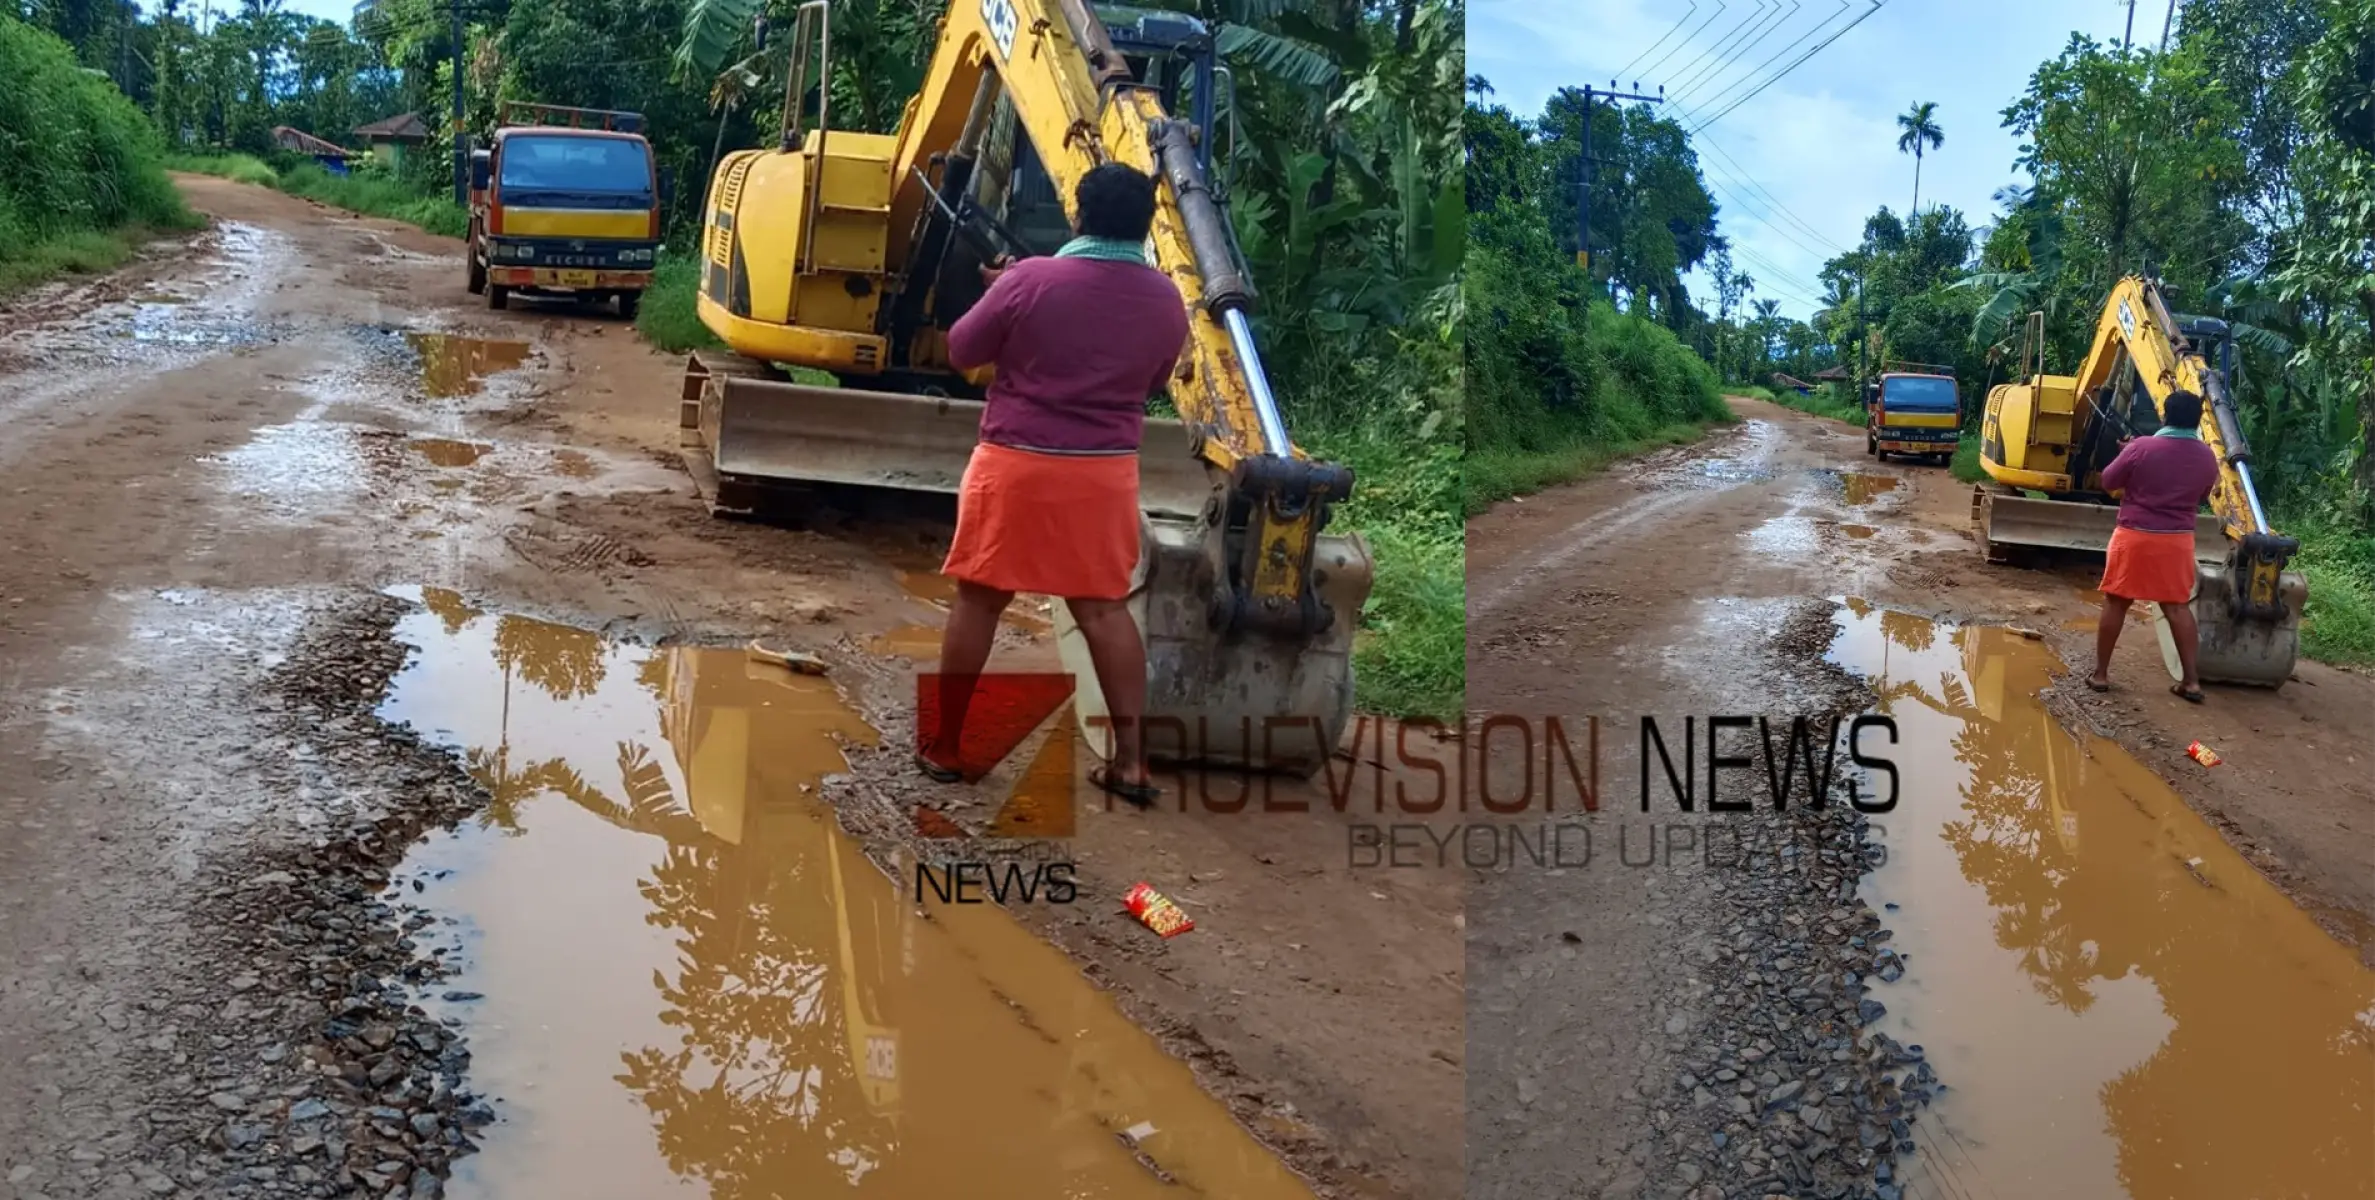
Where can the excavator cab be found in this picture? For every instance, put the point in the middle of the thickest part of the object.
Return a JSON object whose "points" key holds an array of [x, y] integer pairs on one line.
{"points": [[1015, 208]]}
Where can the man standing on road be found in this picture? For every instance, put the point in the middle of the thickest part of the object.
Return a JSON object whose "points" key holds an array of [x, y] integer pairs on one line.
{"points": [[2161, 482], [1049, 503]]}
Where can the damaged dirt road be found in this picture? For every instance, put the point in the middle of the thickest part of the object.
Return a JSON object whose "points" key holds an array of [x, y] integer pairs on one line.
{"points": [[2067, 961], [391, 810]]}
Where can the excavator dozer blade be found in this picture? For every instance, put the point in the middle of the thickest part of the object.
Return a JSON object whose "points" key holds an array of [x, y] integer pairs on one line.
{"points": [[2008, 519], [757, 431], [2253, 651], [1244, 701]]}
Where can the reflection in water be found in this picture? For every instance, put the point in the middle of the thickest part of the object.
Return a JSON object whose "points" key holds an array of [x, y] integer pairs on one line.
{"points": [[449, 452], [919, 642], [1864, 489], [695, 982], [453, 365], [2120, 1003]]}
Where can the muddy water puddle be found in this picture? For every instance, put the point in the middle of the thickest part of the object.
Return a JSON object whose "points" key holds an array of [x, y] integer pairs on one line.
{"points": [[690, 982], [452, 364], [2119, 1004], [450, 452], [908, 641], [1862, 489], [1032, 613]]}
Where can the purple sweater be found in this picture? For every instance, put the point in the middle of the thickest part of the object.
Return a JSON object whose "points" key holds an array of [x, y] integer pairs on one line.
{"points": [[1079, 345], [2162, 482]]}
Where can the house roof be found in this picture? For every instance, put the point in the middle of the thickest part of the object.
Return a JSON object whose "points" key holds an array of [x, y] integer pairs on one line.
{"points": [[403, 127], [299, 140], [1832, 373]]}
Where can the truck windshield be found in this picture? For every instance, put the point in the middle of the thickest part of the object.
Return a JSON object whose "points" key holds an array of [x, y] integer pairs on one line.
{"points": [[1918, 394], [589, 166]]}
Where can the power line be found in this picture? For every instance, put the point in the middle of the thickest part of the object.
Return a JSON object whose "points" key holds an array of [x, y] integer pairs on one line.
{"points": [[1693, 66], [1749, 181], [1719, 11], [1756, 33], [1794, 65], [1679, 23], [1716, 77], [1819, 26]]}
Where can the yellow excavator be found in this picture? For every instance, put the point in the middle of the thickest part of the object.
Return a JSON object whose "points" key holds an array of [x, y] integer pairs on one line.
{"points": [[853, 253], [2053, 434]]}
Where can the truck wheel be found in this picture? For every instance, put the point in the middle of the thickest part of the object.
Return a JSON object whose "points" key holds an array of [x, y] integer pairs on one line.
{"points": [[478, 276], [498, 296], [628, 302]]}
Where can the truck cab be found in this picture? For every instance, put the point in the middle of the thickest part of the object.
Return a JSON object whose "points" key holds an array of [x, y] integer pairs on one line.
{"points": [[1915, 410], [564, 203]]}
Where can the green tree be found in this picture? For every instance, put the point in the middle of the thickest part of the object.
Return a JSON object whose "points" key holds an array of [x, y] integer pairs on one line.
{"points": [[1919, 126]]}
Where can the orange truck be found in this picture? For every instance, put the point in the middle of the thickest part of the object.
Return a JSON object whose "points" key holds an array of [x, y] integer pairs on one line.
{"points": [[1913, 409], [565, 203]]}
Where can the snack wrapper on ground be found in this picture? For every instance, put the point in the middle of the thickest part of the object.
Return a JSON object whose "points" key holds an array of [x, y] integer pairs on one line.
{"points": [[2203, 754], [1155, 911]]}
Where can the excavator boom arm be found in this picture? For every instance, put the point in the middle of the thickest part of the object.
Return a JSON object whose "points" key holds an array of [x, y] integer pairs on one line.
{"points": [[2136, 327], [2136, 322], [1074, 97]]}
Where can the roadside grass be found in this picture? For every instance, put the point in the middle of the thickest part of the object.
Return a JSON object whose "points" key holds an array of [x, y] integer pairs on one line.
{"points": [[1410, 658], [82, 178], [1966, 460], [1820, 404], [238, 168], [1496, 474], [372, 195], [667, 318], [81, 252], [2338, 624]]}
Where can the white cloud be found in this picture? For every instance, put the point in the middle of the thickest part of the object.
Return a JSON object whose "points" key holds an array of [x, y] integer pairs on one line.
{"points": [[1822, 139]]}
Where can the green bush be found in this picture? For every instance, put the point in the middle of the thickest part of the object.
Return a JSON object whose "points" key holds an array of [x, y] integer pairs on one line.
{"points": [[377, 196], [238, 168], [1559, 382], [2338, 558], [1824, 401], [81, 170], [668, 318]]}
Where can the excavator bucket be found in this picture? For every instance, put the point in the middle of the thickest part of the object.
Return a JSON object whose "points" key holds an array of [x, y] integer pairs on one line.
{"points": [[2007, 519], [754, 431], [1221, 699], [2234, 649], [2255, 652]]}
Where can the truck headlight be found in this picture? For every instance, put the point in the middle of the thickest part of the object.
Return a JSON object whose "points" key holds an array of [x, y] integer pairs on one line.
{"points": [[635, 256]]}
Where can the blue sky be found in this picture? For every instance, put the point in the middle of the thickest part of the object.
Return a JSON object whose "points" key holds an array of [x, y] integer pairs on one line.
{"points": [[1818, 146]]}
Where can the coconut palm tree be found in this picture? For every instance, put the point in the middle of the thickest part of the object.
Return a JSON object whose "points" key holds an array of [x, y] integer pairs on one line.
{"points": [[1920, 126]]}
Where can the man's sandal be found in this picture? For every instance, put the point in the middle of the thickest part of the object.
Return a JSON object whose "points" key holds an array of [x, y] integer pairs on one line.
{"points": [[938, 773], [2192, 697], [1141, 794]]}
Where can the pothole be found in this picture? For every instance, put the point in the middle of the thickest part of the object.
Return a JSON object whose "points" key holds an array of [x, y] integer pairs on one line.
{"points": [[452, 364], [2121, 1004], [680, 975]]}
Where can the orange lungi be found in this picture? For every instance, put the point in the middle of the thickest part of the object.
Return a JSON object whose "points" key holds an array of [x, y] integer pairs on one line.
{"points": [[1051, 524], [2150, 566]]}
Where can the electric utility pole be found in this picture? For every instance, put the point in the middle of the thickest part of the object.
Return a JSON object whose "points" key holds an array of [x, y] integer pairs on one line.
{"points": [[461, 149], [1583, 184]]}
